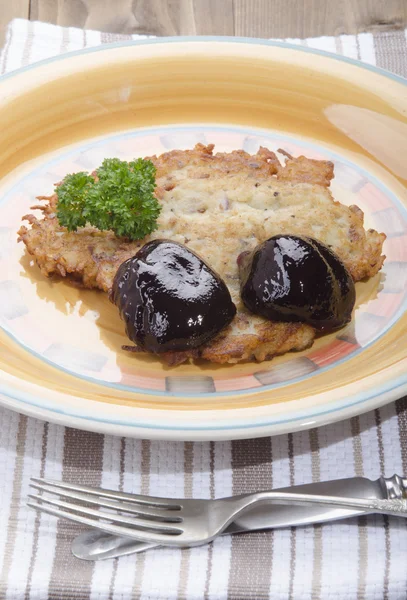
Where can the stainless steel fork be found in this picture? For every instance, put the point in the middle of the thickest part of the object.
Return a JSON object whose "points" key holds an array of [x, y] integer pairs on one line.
{"points": [[177, 522], [94, 544]]}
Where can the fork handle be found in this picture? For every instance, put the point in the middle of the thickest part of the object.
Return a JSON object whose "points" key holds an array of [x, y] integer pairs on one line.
{"points": [[396, 507]]}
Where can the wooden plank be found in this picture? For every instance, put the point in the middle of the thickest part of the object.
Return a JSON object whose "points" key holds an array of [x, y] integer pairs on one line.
{"points": [[156, 17], [162, 17], [11, 9], [373, 15], [214, 17], [311, 18], [256, 18], [69, 13]]}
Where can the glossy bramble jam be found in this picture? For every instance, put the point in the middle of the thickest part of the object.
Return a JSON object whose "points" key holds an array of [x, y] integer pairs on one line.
{"points": [[293, 278], [170, 299]]}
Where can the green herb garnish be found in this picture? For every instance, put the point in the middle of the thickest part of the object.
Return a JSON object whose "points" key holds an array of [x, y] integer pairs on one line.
{"points": [[119, 198]]}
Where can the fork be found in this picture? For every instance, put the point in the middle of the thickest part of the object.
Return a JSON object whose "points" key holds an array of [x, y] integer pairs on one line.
{"points": [[176, 522]]}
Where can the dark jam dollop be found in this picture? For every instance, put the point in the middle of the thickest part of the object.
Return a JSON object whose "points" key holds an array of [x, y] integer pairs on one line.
{"points": [[170, 299], [292, 278]]}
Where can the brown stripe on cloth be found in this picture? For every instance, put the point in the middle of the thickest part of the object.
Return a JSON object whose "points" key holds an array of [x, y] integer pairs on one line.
{"points": [[338, 45], [6, 51], [188, 469], [251, 555], [212, 495], [391, 51], [28, 45], [144, 489], [82, 463], [109, 38], [64, 41], [401, 411], [293, 536], [15, 504], [386, 575], [121, 478], [362, 521], [317, 559], [37, 516]]}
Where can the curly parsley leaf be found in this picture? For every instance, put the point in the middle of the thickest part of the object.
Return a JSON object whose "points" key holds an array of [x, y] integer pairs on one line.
{"points": [[120, 198], [72, 194]]}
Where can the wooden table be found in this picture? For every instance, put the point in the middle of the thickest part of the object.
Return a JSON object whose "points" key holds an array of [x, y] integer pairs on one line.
{"points": [[258, 18]]}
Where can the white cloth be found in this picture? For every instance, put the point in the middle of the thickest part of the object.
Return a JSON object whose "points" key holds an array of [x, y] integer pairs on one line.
{"points": [[360, 558]]}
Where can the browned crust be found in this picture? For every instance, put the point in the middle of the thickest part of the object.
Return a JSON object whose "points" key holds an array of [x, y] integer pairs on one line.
{"points": [[269, 340], [306, 170], [263, 164]]}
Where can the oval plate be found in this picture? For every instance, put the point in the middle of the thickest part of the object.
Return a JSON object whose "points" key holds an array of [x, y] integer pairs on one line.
{"points": [[61, 356]]}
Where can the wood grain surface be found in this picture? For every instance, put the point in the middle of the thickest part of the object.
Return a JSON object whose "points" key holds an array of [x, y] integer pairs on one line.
{"points": [[10, 10], [262, 18]]}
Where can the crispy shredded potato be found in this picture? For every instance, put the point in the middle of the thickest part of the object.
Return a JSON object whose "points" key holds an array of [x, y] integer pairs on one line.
{"points": [[220, 205]]}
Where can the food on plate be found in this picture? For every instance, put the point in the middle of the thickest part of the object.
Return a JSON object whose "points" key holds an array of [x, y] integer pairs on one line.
{"points": [[220, 205], [169, 299], [293, 278]]}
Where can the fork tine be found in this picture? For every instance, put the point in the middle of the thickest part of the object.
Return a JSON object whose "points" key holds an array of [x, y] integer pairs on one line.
{"points": [[165, 503], [159, 514], [141, 524], [120, 530]]}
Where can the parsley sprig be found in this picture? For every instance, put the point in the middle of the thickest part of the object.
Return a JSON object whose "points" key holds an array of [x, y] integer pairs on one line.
{"points": [[119, 198]]}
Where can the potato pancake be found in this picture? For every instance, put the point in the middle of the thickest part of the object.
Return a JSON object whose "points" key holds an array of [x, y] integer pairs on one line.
{"points": [[220, 205]]}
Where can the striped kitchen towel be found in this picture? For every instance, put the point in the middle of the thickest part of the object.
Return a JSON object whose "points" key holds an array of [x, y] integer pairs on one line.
{"points": [[356, 559]]}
